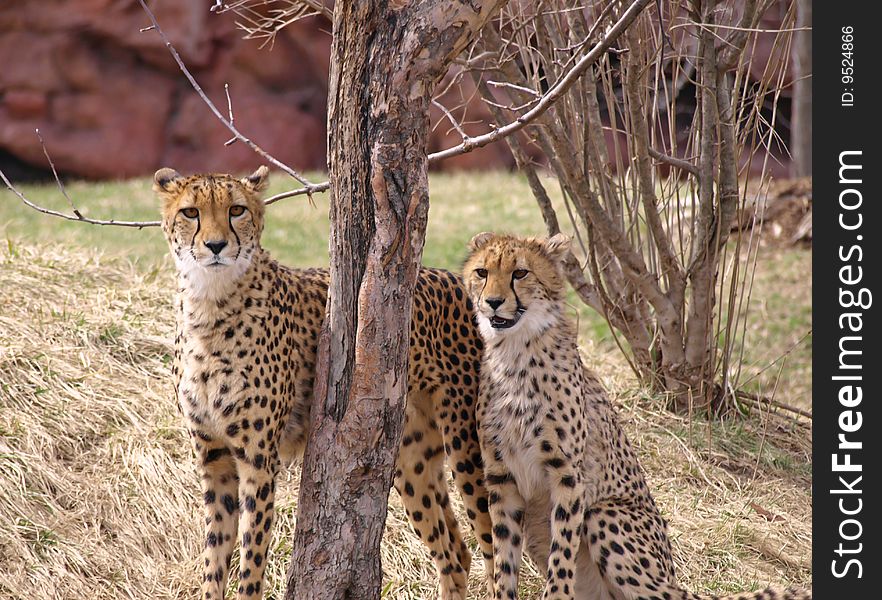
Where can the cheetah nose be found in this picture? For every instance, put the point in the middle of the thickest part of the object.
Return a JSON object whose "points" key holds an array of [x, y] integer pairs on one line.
{"points": [[216, 246], [495, 302]]}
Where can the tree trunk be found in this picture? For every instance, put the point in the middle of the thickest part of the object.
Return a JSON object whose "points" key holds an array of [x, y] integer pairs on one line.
{"points": [[703, 264], [386, 58], [801, 130]]}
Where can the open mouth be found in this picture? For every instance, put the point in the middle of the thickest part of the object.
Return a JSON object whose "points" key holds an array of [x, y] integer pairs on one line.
{"points": [[497, 322]]}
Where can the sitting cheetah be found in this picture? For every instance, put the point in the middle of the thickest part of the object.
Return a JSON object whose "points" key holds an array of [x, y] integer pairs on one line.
{"points": [[245, 351], [562, 477]]}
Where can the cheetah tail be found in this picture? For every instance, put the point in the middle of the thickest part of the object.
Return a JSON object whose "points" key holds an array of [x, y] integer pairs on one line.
{"points": [[675, 592], [766, 594]]}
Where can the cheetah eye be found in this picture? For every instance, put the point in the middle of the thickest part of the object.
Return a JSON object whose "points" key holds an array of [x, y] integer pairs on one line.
{"points": [[520, 273], [482, 273], [237, 211], [190, 213]]}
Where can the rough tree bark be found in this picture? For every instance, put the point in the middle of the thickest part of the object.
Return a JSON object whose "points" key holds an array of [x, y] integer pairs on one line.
{"points": [[386, 59]]}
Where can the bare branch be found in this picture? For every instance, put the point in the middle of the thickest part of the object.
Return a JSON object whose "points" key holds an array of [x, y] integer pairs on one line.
{"points": [[755, 30], [759, 400], [475, 62], [232, 140], [508, 106], [513, 86], [264, 19], [55, 174], [76, 216], [456, 124], [683, 165], [229, 125], [308, 191], [553, 94], [282, 17], [598, 20]]}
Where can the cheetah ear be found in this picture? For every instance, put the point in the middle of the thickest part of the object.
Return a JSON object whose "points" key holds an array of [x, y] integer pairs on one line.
{"points": [[258, 181], [557, 246], [166, 180], [480, 240]]}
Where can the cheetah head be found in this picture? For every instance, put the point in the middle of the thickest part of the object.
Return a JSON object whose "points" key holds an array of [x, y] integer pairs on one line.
{"points": [[515, 283], [213, 225]]}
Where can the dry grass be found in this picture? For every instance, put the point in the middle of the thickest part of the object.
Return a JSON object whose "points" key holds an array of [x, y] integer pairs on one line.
{"points": [[98, 493]]}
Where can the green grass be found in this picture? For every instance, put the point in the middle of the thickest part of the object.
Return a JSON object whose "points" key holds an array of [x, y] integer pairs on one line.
{"points": [[778, 348]]}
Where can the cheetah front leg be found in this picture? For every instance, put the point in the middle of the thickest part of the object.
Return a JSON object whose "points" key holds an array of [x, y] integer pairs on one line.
{"points": [[422, 485], [257, 488], [567, 494], [220, 485], [507, 515], [459, 427]]}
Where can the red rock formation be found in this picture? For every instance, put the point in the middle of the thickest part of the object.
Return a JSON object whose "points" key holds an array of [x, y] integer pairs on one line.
{"points": [[110, 101]]}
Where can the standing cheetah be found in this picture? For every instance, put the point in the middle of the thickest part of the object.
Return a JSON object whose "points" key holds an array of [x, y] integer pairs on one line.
{"points": [[245, 352], [562, 477]]}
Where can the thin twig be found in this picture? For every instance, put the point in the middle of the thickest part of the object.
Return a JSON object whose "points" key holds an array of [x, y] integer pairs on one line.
{"points": [[308, 191], [452, 119], [267, 24], [597, 22], [679, 163], [513, 86], [744, 29], [766, 420], [756, 399], [55, 174], [76, 217], [232, 140], [661, 27], [304, 191], [784, 355]]}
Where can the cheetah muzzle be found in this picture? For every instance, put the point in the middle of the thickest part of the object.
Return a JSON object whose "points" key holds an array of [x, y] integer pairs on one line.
{"points": [[497, 322]]}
